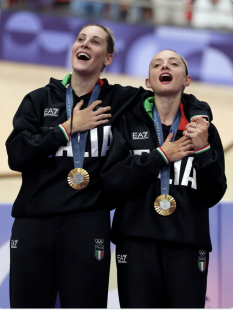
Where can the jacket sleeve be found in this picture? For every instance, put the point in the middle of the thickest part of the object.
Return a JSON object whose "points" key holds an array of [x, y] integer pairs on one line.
{"points": [[124, 172], [210, 168], [29, 142], [194, 107]]}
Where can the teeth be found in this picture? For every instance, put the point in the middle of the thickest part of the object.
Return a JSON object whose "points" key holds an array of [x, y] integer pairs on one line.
{"points": [[165, 77], [84, 54]]}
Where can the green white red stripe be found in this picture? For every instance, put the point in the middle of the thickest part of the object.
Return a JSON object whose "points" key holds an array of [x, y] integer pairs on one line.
{"points": [[203, 149], [161, 152], [65, 132], [202, 266], [99, 254], [199, 116]]}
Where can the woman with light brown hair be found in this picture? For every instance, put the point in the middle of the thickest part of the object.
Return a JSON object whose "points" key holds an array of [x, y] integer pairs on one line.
{"points": [[164, 172]]}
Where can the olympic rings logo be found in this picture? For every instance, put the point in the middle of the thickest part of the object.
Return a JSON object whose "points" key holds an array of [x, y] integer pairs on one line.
{"points": [[99, 241], [202, 252]]}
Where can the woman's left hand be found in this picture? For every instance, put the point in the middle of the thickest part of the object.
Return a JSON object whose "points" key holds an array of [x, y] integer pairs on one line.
{"points": [[197, 131]]}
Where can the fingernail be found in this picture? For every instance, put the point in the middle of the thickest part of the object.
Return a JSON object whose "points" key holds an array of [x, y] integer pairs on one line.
{"points": [[170, 131]]}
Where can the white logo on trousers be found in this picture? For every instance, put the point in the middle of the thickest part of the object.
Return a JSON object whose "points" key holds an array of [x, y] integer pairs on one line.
{"points": [[14, 244]]}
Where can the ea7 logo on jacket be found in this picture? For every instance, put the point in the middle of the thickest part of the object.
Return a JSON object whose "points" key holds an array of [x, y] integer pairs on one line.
{"points": [[140, 135], [122, 258], [51, 112]]}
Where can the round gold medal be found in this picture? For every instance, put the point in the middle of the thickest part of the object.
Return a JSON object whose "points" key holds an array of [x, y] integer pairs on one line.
{"points": [[78, 178], [165, 205]]}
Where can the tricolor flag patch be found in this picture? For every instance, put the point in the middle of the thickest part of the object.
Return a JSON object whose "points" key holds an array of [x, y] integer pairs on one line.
{"points": [[99, 249], [202, 263], [99, 252]]}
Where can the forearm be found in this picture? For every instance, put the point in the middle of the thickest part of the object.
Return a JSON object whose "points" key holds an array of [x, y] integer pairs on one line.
{"points": [[210, 169], [124, 172], [26, 148]]}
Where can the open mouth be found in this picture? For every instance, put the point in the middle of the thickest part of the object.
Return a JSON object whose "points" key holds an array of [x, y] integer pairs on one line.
{"points": [[165, 77], [83, 56]]}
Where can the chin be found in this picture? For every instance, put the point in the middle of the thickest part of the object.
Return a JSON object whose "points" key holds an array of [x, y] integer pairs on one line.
{"points": [[80, 69], [168, 92]]}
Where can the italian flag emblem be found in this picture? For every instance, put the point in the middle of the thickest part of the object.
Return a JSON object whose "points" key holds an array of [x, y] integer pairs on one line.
{"points": [[202, 263], [99, 252]]}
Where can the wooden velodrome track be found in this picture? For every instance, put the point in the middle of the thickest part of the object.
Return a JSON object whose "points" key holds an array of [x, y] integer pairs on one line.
{"points": [[17, 79]]}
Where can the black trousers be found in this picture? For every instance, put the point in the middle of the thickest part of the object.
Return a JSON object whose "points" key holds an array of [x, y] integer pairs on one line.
{"points": [[69, 254], [161, 275]]}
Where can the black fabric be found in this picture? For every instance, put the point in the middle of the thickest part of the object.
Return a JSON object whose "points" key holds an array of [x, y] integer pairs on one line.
{"points": [[58, 254], [46, 259], [38, 148], [160, 275], [131, 176]]}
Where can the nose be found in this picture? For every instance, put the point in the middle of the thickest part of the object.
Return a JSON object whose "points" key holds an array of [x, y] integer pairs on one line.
{"points": [[165, 66], [85, 44]]}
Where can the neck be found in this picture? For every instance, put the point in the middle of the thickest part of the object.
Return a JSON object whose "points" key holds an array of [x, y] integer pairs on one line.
{"points": [[167, 107], [83, 84]]}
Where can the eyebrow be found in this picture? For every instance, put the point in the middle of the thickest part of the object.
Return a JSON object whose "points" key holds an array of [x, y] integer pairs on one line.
{"points": [[170, 58], [83, 34]]}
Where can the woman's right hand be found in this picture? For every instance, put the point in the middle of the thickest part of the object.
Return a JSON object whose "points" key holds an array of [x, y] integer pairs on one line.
{"points": [[178, 149], [87, 118]]}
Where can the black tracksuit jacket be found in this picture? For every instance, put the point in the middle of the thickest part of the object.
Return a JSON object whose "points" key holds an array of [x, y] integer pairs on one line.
{"points": [[38, 148], [197, 183]]}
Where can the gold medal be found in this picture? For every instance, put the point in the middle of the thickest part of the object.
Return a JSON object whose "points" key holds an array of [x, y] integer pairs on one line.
{"points": [[165, 205], [78, 178]]}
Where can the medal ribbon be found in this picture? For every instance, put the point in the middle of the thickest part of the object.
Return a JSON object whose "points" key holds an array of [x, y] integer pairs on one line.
{"points": [[165, 172], [78, 140]]}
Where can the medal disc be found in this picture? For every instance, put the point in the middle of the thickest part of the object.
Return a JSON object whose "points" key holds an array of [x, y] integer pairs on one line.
{"points": [[78, 178], [165, 205]]}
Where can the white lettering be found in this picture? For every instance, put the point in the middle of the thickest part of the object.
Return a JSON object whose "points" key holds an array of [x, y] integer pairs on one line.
{"points": [[187, 178], [94, 142], [139, 152], [67, 148], [122, 258], [140, 135], [177, 166], [107, 140]]}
